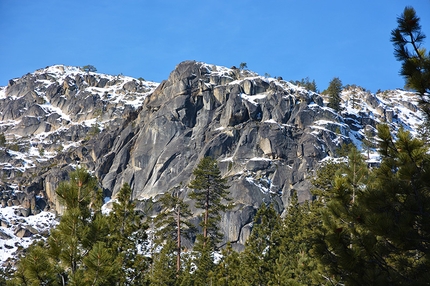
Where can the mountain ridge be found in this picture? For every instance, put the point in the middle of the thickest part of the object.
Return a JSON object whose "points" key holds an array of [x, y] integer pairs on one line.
{"points": [[268, 135]]}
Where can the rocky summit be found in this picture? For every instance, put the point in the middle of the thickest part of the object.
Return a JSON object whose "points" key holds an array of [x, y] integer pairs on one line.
{"points": [[267, 135]]}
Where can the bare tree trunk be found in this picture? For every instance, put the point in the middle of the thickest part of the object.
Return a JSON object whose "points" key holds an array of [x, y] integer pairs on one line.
{"points": [[178, 255]]}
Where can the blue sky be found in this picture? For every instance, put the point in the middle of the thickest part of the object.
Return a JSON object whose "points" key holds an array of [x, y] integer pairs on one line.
{"points": [[289, 38]]}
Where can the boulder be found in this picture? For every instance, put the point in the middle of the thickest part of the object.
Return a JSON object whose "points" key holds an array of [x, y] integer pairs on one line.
{"points": [[22, 232]]}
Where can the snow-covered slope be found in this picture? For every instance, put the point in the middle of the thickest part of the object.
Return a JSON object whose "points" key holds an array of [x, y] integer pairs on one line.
{"points": [[17, 232], [43, 114], [50, 116], [47, 124]]}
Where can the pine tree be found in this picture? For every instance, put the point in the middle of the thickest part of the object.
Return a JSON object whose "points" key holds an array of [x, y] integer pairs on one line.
{"points": [[228, 271], [99, 267], [172, 223], [164, 271], [87, 247], [376, 230], [89, 68], [70, 241], [204, 261], [211, 195], [368, 142], [338, 242], [334, 91], [295, 266], [397, 208], [127, 239], [35, 268], [262, 247], [407, 39]]}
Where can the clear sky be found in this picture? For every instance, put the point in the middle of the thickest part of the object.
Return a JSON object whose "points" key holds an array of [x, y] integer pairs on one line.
{"points": [[349, 39]]}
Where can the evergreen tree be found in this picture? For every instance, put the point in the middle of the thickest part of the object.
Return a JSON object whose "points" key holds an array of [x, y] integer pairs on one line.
{"points": [[62, 255], [295, 266], [407, 39], [243, 66], [368, 142], [338, 243], [89, 68], [397, 208], [71, 240], [2, 140], [204, 261], [375, 230], [262, 248], [127, 237], [211, 195], [172, 223], [35, 268], [99, 267], [164, 271], [306, 83], [334, 91], [228, 271]]}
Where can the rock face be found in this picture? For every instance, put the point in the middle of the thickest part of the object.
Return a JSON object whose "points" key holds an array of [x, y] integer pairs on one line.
{"points": [[267, 135]]}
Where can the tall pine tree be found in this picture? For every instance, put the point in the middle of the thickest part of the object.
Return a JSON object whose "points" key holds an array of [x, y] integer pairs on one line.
{"points": [[338, 242], [407, 39], [262, 248], [127, 239], [333, 91], [172, 223], [397, 209], [210, 194]]}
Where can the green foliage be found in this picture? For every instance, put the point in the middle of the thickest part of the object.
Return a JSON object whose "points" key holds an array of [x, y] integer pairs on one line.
{"points": [[13, 147], [87, 247], [368, 142], [243, 66], [228, 271], [171, 226], [89, 68], [94, 130], [164, 266], [35, 269], [173, 218], [376, 224], [204, 261], [262, 248], [407, 39], [333, 91], [338, 237], [295, 266], [397, 207], [127, 237], [211, 195], [306, 83], [101, 268]]}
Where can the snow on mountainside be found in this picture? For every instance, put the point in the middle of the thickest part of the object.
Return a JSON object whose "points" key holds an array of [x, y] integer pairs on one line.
{"points": [[66, 107], [17, 232], [39, 125], [98, 100]]}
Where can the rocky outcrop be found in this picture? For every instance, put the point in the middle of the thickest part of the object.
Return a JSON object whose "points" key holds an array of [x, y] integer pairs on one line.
{"points": [[259, 130], [267, 135]]}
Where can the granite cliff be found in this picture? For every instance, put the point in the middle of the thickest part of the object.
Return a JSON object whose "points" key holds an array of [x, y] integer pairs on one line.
{"points": [[268, 135]]}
